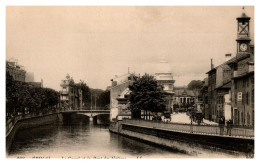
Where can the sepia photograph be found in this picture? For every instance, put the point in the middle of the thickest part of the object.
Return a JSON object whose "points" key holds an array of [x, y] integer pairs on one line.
{"points": [[125, 82]]}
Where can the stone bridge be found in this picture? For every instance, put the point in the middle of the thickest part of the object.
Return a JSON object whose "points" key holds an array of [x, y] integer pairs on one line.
{"points": [[89, 113]]}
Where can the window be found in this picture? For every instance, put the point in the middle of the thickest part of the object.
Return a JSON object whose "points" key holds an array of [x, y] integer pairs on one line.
{"points": [[247, 82], [242, 118], [247, 98], [235, 99], [170, 87], [244, 82], [243, 98], [252, 80], [235, 84], [252, 97], [248, 119], [253, 118], [206, 100]]}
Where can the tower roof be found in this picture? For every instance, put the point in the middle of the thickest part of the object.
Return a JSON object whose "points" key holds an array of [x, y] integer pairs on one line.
{"points": [[243, 17], [163, 67]]}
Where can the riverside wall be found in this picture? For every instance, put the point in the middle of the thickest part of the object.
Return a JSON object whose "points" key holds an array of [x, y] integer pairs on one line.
{"points": [[29, 122], [184, 141]]}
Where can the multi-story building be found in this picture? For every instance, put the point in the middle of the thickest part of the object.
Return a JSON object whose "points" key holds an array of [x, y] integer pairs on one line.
{"points": [[70, 95], [219, 91], [204, 95], [231, 84], [164, 77], [243, 76], [29, 79], [15, 70], [118, 96], [183, 98]]}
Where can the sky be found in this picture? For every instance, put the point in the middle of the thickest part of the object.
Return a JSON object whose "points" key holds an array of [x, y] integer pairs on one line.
{"points": [[94, 44]]}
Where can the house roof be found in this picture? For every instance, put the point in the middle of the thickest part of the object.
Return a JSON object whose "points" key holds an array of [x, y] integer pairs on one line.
{"points": [[225, 86], [239, 57], [184, 92], [125, 92]]}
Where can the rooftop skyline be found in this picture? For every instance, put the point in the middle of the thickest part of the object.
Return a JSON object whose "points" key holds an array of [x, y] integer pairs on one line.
{"points": [[96, 43]]}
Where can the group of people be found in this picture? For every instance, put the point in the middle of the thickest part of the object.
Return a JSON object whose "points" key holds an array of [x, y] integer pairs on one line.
{"points": [[222, 125], [196, 117], [165, 118], [156, 118]]}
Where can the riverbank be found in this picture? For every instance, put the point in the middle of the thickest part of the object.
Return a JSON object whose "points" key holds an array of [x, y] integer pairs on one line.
{"points": [[185, 137], [20, 123]]}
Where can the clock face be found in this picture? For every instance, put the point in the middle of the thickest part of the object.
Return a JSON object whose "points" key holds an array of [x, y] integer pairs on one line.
{"points": [[243, 47]]}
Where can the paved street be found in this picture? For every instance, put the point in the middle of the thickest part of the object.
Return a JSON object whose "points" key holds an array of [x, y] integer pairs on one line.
{"points": [[184, 118]]}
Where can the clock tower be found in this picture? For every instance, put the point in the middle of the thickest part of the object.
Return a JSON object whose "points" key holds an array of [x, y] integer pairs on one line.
{"points": [[243, 35]]}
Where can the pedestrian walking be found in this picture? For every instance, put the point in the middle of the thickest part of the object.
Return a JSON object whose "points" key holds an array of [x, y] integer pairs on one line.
{"points": [[221, 124], [229, 127]]}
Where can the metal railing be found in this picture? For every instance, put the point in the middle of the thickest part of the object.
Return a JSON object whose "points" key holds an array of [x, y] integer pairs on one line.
{"points": [[188, 128], [97, 108]]}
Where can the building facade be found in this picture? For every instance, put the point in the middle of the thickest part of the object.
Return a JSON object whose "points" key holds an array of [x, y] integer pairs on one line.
{"points": [[231, 84], [118, 96], [70, 95], [219, 91], [164, 78], [29, 77], [183, 98], [15, 70], [205, 98], [243, 76]]}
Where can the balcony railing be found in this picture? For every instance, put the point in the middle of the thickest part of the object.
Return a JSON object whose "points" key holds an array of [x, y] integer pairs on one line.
{"points": [[64, 92]]}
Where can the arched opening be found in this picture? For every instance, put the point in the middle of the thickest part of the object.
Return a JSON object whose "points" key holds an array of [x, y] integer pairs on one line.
{"points": [[101, 119]]}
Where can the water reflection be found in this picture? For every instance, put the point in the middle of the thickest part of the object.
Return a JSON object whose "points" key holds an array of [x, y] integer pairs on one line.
{"points": [[77, 138]]}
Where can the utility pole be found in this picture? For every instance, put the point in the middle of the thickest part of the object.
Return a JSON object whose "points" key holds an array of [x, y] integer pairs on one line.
{"points": [[91, 104], [95, 102]]}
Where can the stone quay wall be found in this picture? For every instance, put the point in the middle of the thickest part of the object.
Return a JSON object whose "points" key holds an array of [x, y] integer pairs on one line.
{"points": [[28, 122], [163, 134]]}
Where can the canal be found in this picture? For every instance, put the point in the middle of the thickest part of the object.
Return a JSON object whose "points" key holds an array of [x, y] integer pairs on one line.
{"points": [[79, 138]]}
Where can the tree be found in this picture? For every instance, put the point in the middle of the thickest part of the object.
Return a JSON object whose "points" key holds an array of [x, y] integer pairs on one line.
{"points": [[104, 98], [85, 91], [195, 85], [21, 97], [11, 95], [146, 94]]}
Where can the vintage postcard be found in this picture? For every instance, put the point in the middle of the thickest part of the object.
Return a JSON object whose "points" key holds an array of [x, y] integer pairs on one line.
{"points": [[120, 82]]}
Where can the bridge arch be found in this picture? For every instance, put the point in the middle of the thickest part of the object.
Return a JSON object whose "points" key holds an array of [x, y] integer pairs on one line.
{"points": [[95, 116]]}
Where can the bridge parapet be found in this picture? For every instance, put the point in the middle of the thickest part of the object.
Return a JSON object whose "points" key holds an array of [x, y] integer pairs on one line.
{"points": [[97, 108], [87, 111]]}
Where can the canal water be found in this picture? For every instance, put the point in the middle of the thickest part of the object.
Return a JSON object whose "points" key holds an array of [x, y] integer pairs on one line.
{"points": [[82, 139]]}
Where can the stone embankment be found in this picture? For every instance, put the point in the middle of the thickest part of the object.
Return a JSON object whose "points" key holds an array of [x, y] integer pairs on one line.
{"points": [[28, 121], [190, 139]]}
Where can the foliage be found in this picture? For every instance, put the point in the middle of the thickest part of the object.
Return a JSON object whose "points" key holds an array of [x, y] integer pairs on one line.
{"points": [[195, 85], [85, 91], [104, 99], [21, 97], [146, 94]]}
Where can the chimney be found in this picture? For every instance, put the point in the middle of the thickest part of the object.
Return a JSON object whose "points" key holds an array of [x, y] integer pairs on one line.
{"points": [[41, 83], [211, 64], [227, 57]]}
